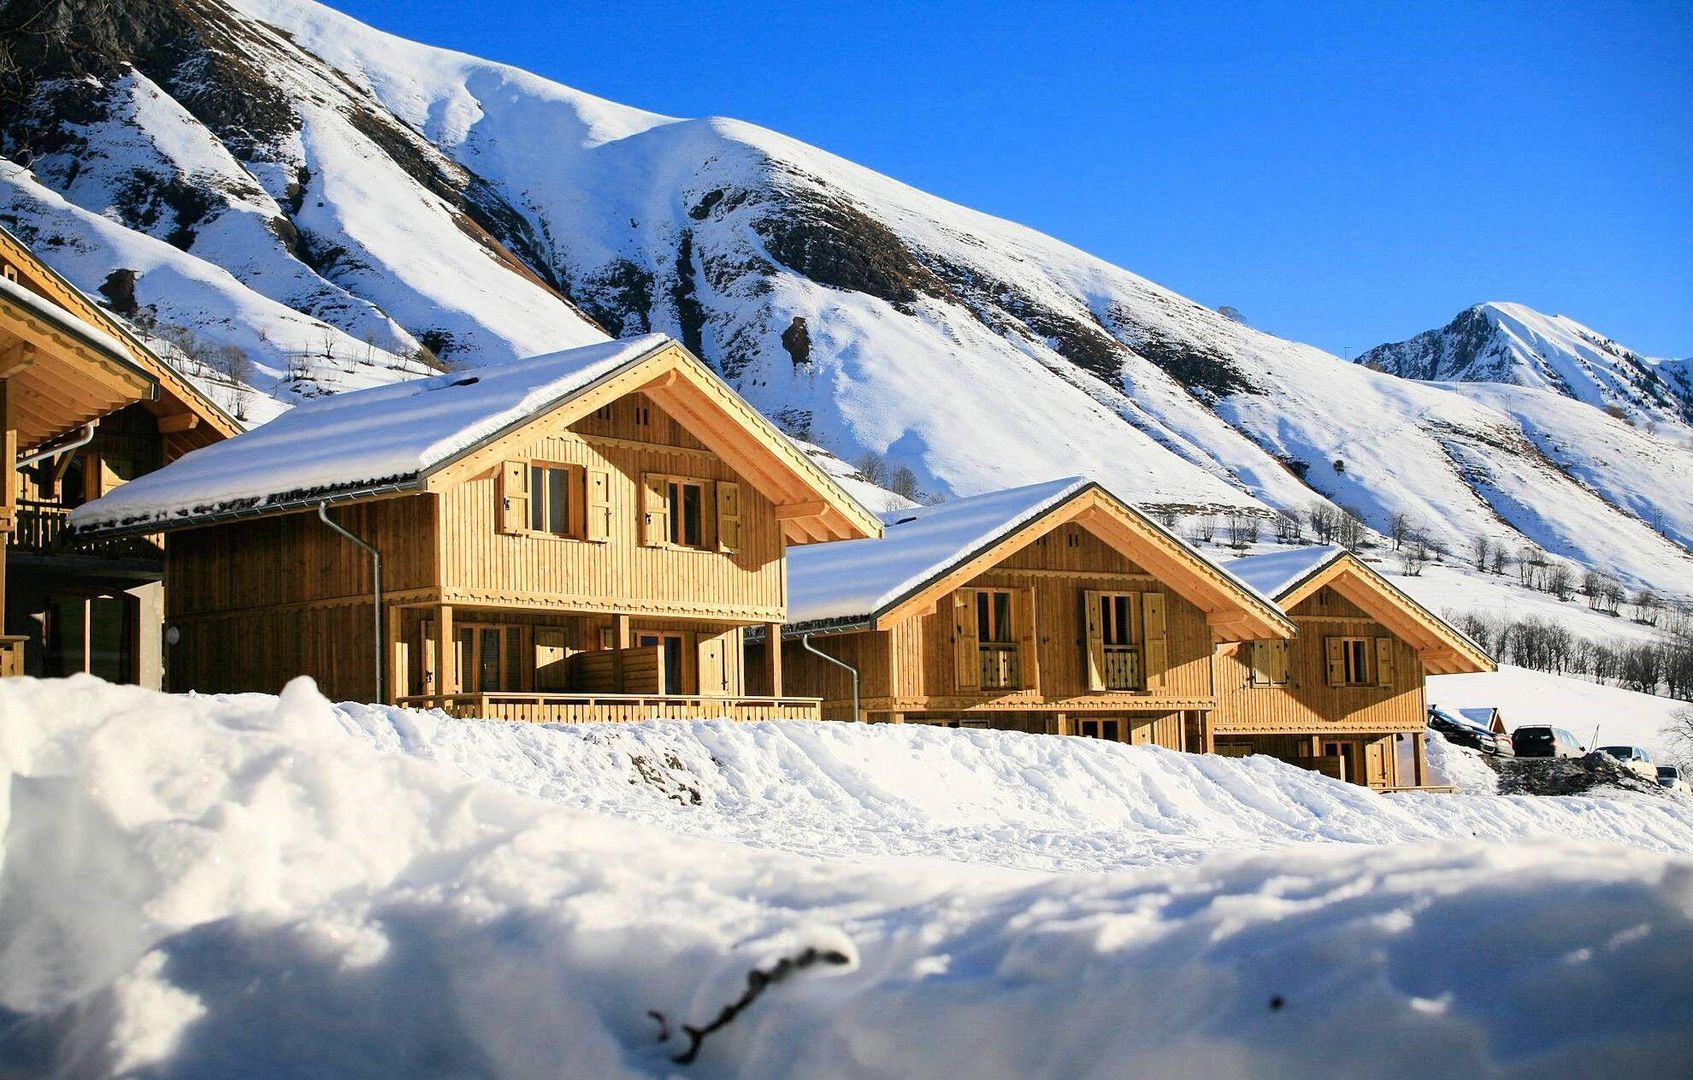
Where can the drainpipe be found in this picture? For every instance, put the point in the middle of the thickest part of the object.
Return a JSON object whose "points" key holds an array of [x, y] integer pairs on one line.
{"points": [[82, 440], [805, 640], [376, 574]]}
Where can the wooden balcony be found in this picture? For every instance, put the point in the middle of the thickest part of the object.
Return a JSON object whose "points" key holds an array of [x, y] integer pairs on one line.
{"points": [[541, 708], [42, 528]]}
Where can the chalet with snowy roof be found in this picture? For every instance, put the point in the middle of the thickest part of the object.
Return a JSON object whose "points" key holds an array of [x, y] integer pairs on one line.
{"points": [[84, 407], [1050, 608], [1346, 696], [578, 536]]}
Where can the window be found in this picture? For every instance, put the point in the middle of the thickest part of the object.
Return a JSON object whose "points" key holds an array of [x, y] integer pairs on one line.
{"points": [[672, 665], [1099, 729], [1122, 630], [1361, 661], [489, 658], [550, 500], [643, 415], [10, 272], [687, 513], [682, 512], [996, 639], [603, 413]]}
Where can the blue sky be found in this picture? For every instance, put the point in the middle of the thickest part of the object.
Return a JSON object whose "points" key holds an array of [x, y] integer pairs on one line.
{"points": [[1343, 175]]}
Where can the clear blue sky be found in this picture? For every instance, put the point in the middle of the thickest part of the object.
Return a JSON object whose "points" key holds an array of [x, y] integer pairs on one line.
{"points": [[1342, 175]]}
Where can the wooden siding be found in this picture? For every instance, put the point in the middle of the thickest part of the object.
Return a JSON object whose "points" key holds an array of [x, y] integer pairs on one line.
{"points": [[479, 564], [1307, 704], [288, 559], [1374, 761]]}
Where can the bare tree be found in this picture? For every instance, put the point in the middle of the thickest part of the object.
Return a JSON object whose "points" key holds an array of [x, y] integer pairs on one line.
{"points": [[1398, 528], [1351, 532], [1501, 557], [1289, 529], [1647, 606], [1481, 550], [872, 467], [1415, 554], [1325, 522], [1243, 530], [1559, 581], [903, 483], [1678, 737], [1204, 528]]}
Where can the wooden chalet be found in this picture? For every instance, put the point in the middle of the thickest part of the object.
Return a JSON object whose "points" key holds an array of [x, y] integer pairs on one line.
{"points": [[1052, 608], [85, 407], [579, 536], [1345, 697]]}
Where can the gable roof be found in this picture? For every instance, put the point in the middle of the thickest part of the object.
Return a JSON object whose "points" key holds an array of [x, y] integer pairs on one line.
{"points": [[428, 433], [929, 551], [1290, 577], [46, 311]]}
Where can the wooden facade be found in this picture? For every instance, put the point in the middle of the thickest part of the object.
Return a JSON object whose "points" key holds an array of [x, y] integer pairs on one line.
{"points": [[1085, 621], [85, 407], [1346, 697], [599, 560]]}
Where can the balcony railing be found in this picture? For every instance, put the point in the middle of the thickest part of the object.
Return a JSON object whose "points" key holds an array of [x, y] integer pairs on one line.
{"points": [[43, 528], [999, 667], [614, 708], [1122, 668]]}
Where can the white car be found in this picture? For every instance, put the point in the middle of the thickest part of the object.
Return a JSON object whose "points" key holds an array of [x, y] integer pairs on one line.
{"points": [[1670, 776], [1637, 758]]}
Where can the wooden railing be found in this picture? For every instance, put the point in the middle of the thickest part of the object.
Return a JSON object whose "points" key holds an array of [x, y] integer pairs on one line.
{"points": [[43, 528], [1122, 668], [614, 708], [999, 670], [11, 654]]}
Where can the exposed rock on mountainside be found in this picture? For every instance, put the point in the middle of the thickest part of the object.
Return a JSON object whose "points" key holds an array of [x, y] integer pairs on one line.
{"points": [[1510, 343], [345, 206]]}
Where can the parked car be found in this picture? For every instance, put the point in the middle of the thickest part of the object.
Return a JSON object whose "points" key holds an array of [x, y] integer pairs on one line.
{"points": [[1460, 732], [1669, 776], [1637, 758], [1542, 740]]}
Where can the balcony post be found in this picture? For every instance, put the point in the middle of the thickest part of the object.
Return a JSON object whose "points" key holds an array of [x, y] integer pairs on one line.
{"points": [[773, 645]]}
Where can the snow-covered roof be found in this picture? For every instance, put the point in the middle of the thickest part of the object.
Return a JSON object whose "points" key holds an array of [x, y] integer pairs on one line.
{"points": [[1461, 718], [1276, 573], [45, 309], [361, 440], [860, 577]]}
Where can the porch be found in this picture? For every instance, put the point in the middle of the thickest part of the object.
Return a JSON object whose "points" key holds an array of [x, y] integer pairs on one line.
{"points": [[545, 708]]}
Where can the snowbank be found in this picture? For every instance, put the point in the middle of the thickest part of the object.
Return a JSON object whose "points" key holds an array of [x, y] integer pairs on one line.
{"points": [[243, 886]]}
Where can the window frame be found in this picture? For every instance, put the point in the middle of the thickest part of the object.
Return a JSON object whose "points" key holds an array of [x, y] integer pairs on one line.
{"points": [[675, 493], [575, 494], [1351, 649]]}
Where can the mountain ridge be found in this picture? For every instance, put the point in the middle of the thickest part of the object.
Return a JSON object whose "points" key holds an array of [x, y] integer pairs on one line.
{"points": [[860, 313]]}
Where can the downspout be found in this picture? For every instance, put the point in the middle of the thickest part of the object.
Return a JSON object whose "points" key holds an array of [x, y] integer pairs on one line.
{"points": [[805, 640], [376, 574], [82, 440]]}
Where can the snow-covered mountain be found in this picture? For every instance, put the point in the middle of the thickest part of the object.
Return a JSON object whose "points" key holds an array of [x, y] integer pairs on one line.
{"points": [[345, 205], [1510, 343]]}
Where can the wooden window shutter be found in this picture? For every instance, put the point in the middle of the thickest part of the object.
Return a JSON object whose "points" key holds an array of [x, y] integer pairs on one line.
{"points": [[1157, 649], [1028, 639], [1332, 647], [513, 516], [655, 510], [597, 526], [1092, 619], [551, 658], [1279, 656], [1384, 661], [966, 648], [728, 516], [1263, 673]]}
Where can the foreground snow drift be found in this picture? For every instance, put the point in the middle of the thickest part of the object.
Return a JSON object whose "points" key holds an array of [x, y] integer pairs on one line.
{"points": [[1044, 803], [214, 887]]}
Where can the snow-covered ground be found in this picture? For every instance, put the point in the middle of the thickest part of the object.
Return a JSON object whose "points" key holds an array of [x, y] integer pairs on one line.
{"points": [[1621, 717], [209, 886]]}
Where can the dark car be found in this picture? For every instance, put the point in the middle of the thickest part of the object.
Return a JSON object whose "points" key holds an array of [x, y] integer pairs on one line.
{"points": [[1460, 732], [1541, 740]]}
